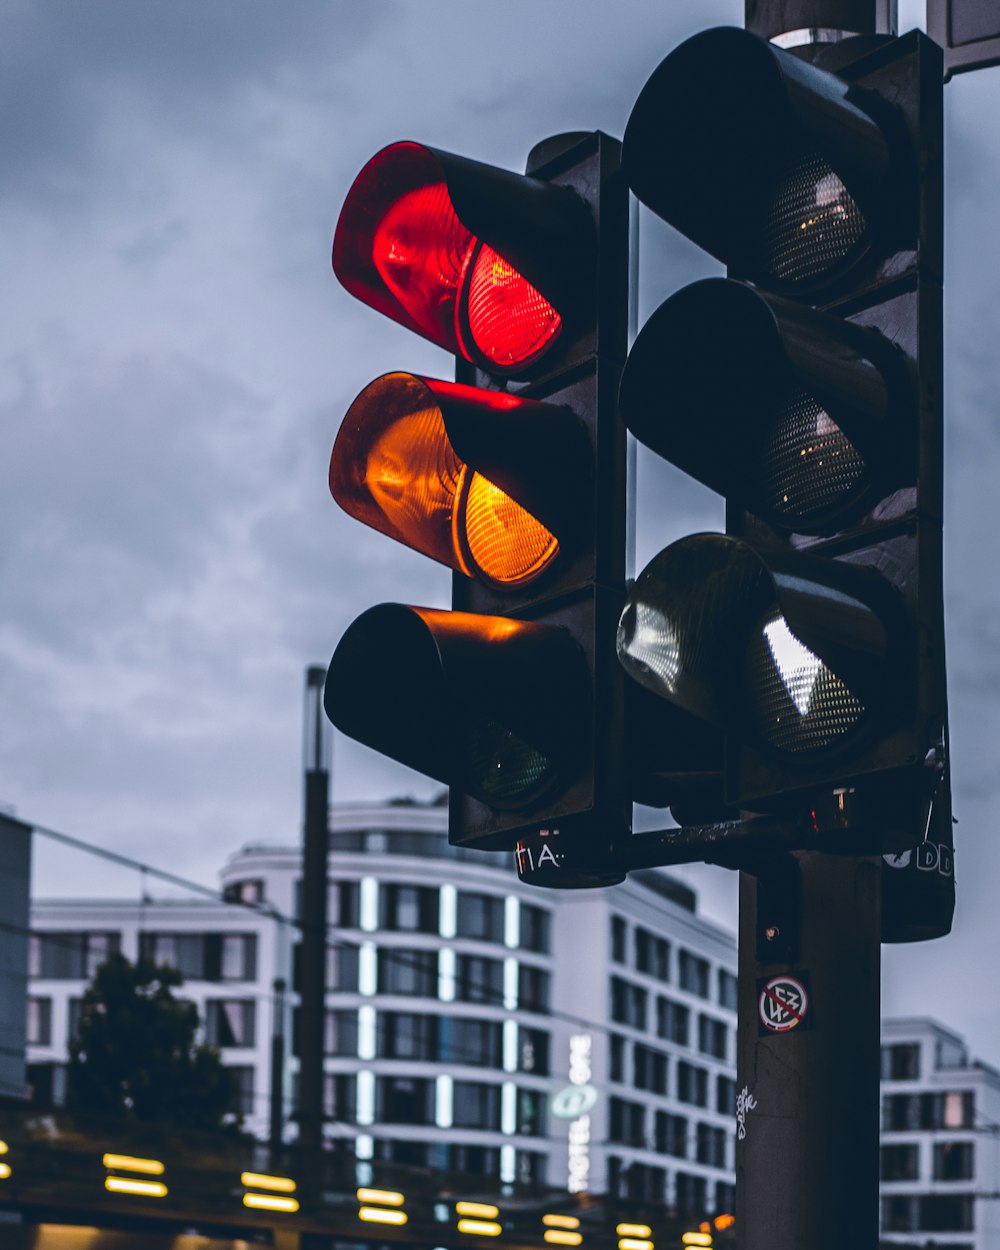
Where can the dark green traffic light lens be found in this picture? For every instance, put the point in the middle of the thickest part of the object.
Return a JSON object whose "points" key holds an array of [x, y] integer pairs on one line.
{"points": [[797, 704], [503, 769], [813, 224]]}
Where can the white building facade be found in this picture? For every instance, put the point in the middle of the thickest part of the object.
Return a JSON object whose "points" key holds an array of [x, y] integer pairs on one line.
{"points": [[940, 1163], [582, 1039]]}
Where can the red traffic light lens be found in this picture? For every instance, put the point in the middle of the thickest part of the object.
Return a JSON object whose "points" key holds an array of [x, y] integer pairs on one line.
{"points": [[394, 468], [510, 322], [402, 248]]}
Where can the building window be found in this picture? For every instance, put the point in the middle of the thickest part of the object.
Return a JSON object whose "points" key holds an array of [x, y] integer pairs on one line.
{"points": [[69, 956], [532, 1051], [712, 1037], [345, 905], [628, 1003], [480, 916], [39, 1022], [407, 1035], [953, 1161], [249, 892], [410, 908], [691, 1195], [616, 1057], [340, 1097], [230, 1022], [710, 1145], [341, 968], [725, 1095], [340, 1033], [652, 954], [693, 974], [725, 1197], [650, 1069], [243, 1076], [477, 1043], [672, 1021], [946, 1213], [405, 971], [618, 934], [476, 1105], [533, 989], [728, 990], [899, 1214], [913, 1112], [900, 1063], [479, 980], [949, 1054], [203, 956], [404, 1100], [671, 1132], [692, 1084], [536, 929], [531, 1108], [899, 1163], [627, 1121]]}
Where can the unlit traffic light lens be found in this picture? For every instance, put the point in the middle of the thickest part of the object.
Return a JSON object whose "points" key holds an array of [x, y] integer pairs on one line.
{"points": [[813, 223], [810, 468], [795, 702], [504, 769]]}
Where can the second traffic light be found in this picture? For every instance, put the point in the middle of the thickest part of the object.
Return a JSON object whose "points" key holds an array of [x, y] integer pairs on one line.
{"points": [[513, 476], [811, 633]]}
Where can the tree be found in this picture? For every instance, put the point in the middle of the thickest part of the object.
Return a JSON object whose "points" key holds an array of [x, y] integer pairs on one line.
{"points": [[134, 1054]]}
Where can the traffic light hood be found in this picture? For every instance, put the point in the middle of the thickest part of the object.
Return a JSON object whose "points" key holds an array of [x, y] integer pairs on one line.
{"points": [[492, 706], [491, 265], [780, 169], [796, 415], [789, 653]]}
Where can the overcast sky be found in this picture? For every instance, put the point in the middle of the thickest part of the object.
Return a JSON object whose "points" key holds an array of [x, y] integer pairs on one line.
{"points": [[177, 356]]}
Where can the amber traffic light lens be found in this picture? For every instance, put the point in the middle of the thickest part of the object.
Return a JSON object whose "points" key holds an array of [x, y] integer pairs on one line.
{"points": [[394, 468], [510, 322], [796, 703], [813, 224], [504, 542]]}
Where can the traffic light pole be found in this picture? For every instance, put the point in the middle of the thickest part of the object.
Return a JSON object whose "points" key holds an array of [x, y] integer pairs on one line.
{"points": [[807, 1066]]}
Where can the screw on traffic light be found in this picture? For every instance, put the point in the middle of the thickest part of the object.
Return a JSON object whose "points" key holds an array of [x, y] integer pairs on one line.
{"points": [[806, 389], [513, 476]]}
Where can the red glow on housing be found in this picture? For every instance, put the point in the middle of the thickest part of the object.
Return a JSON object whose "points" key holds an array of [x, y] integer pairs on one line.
{"points": [[420, 249]]}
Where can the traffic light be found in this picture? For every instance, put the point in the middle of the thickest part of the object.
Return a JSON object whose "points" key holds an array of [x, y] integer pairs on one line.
{"points": [[806, 389], [513, 476]]}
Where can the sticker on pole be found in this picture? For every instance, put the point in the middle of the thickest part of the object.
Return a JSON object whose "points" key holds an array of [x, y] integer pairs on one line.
{"points": [[783, 1003]]}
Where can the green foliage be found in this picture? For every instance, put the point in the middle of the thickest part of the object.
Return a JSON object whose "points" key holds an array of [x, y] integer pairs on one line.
{"points": [[135, 1056]]}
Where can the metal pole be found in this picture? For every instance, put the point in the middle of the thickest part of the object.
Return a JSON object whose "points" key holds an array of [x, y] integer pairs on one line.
{"points": [[277, 1110], [807, 1080], [312, 989]]}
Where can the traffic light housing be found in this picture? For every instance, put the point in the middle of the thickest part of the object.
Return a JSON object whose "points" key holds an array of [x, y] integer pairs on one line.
{"points": [[513, 476], [806, 388]]}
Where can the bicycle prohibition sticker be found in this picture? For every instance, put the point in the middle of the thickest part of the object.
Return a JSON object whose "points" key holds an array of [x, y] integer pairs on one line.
{"points": [[783, 1003]]}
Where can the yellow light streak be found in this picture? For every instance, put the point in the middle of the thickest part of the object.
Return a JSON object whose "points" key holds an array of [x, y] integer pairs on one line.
{"points": [[562, 1237], [634, 1243], [129, 1163], [126, 1185], [258, 1180], [387, 1197], [483, 1209], [3, 1148], [270, 1202], [633, 1230], [560, 1221], [375, 1215], [4, 1171], [480, 1228], [697, 1239]]}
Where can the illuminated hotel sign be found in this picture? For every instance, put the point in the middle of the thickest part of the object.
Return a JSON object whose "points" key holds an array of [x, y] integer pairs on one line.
{"points": [[574, 1103]]}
